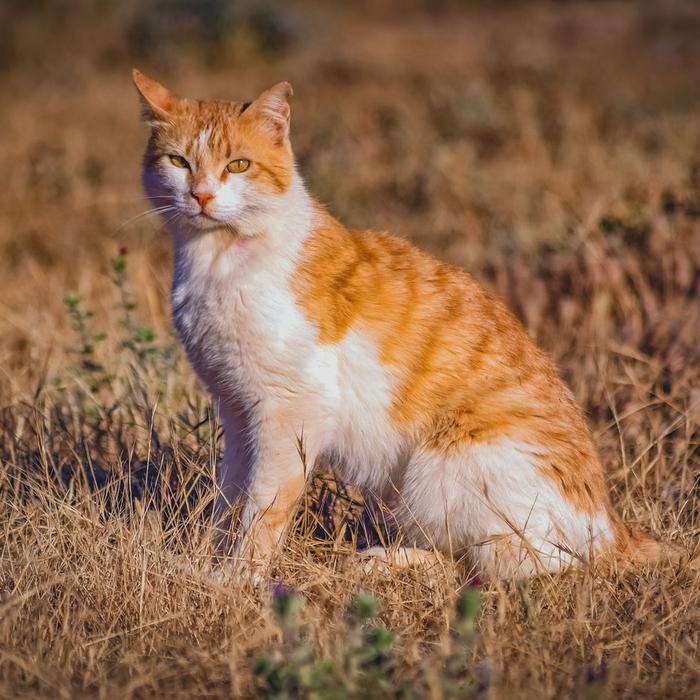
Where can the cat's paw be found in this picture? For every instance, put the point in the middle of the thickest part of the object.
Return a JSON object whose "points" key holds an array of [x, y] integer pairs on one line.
{"points": [[380, 559], [241, 572]]}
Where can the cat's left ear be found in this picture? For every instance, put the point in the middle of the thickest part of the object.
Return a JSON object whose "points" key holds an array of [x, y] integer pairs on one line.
{"points": [[157, 102], [272, 111]]}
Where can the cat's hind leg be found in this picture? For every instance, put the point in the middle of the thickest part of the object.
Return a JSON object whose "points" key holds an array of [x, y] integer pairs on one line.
{"points": [[494, 502]]}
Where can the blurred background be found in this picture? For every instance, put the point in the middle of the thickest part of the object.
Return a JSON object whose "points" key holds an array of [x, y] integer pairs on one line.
{"points": [[553, 148]]}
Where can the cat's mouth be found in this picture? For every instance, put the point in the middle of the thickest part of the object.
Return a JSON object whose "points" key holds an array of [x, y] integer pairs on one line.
{"points": [[202, 220], [204, 215]]}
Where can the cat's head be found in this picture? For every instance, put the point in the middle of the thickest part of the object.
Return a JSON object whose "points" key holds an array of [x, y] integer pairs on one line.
{"points": [[216, 164]]}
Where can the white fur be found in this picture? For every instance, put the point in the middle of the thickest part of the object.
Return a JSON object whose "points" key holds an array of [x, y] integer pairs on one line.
{"points": [[492, 497], [203, 141], [273, 383]]}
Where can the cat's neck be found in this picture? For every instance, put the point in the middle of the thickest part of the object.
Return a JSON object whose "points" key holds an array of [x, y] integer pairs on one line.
{"points": [[274, 232]]}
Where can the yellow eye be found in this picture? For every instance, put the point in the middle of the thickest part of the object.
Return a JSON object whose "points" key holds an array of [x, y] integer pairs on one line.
{"points": [[240, 165], [179, 162]]}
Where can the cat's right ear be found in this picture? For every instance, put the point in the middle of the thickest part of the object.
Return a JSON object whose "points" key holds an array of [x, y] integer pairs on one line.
{"points": [[157, 102], [272, 111]]}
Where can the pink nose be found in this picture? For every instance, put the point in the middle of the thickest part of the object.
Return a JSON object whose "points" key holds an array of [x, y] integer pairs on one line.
{"points": [[203, 198]]}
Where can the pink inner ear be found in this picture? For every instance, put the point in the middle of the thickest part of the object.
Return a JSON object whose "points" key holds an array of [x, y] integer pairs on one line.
{"points": [[273, 110], [277, 117], [282, 128], [157, 96]]}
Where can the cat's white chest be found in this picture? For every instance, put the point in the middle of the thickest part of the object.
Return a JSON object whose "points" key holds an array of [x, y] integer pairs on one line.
{"points": [[241, 329]]}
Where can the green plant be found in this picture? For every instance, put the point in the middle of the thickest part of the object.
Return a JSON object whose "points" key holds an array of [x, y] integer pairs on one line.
{"points": [[88, 339], [291, 670], [458, 676], [139, 338], [364, 665]]}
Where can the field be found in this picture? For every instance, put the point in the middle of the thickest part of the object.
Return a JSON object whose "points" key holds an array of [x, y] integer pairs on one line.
{"points": [[552, 149]]}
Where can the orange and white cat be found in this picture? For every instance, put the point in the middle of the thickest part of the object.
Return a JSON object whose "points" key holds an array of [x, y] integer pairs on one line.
{"points": [[415, 383]]}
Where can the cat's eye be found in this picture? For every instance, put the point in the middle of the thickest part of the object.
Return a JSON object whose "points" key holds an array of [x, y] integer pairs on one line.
{"points": [[179, 162], [240, 165]]}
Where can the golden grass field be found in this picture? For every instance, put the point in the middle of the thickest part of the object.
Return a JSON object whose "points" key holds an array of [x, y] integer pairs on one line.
{"points": [[553, 149]]}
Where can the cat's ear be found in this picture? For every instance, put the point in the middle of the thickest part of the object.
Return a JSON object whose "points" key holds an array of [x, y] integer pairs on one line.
{"points": [[272, 111], [157, 102]]}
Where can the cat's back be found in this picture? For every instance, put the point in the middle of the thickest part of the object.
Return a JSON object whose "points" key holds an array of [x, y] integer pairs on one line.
{"points": [[420, 310], [377, 281], [450, 347]]}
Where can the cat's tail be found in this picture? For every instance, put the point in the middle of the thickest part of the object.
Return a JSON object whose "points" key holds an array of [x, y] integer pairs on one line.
{"points": [[634, 548]]}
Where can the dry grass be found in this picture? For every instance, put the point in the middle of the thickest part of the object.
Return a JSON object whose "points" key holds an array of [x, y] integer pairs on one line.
{"points": [[553, 149]]}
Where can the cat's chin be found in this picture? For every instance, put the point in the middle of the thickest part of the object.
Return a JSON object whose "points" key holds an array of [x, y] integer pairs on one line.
{"points": [[201, 225]]}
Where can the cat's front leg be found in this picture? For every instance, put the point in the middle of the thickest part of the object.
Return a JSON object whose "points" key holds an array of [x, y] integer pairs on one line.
{"points": [[234, 474], [260, 481], [279, 478]]}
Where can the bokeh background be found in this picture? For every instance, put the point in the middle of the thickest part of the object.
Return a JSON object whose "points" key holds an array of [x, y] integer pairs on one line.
{"points": [[551, 148]]}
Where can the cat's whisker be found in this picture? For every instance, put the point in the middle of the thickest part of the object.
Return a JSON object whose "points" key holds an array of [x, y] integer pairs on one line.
{"points": [[153, 210], [172, 218], [156, 210]]}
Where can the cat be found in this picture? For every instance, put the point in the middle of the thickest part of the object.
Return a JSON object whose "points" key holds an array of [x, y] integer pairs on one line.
{"points": [[399, 370]]}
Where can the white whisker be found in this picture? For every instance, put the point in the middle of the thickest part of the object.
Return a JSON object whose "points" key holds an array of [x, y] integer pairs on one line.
{"points": [[172, 218], [156, 210]]}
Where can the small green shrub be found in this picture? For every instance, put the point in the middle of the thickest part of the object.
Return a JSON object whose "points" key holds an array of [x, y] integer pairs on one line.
{"points": [[365, 664]]}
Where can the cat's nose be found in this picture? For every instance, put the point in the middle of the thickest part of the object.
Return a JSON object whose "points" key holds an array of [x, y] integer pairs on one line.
{"points": [[203, 198]]}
